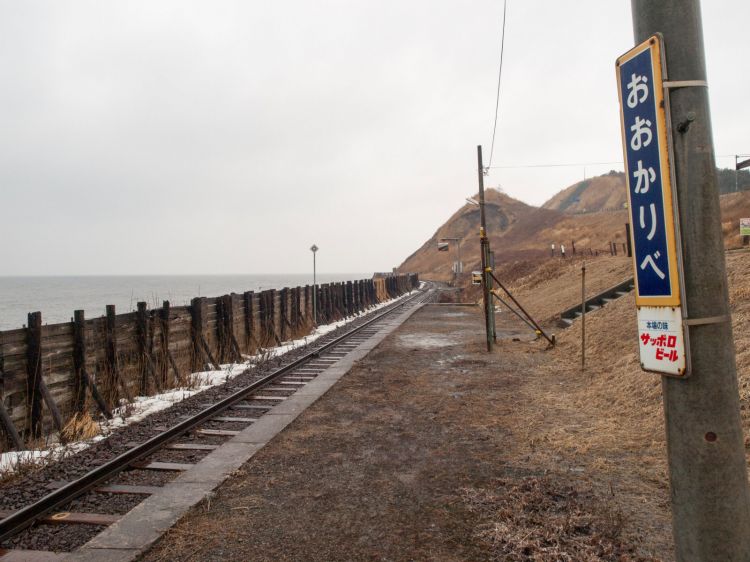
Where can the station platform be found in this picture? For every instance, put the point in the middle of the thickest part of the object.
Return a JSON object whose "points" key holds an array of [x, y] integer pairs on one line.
{"points": [[428, 448]]}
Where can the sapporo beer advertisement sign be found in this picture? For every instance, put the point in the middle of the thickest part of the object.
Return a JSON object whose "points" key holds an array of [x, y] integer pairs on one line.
{"points": [[643, 116]]}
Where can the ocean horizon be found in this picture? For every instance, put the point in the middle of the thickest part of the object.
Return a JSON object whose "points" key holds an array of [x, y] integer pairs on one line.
{"points": [[57, 296]]}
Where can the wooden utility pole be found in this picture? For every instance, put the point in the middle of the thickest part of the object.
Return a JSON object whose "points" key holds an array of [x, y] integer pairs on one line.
{"points": [[708, 473], [484, 247]]}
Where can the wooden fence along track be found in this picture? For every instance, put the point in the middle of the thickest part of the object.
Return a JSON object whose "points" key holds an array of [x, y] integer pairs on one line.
{"points": [[258, 397], [50, 372]]}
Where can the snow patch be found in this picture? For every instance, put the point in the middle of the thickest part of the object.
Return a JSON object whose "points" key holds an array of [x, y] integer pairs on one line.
{"points": [[426, 340], [144, 406]]}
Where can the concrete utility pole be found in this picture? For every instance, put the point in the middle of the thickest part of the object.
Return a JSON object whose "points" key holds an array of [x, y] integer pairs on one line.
{"points": [[484, 246], [708, 474]]}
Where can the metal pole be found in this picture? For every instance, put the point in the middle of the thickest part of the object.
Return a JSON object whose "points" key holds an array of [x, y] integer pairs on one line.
{"points": [[314, 250], [483, 247], [491, 265], [708, 474], [551, 340], [315, 291], [583, 316], [457, 277], [460, 265]]}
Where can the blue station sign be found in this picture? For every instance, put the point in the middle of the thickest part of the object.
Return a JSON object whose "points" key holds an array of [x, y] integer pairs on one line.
{"points": [[643, 118]]}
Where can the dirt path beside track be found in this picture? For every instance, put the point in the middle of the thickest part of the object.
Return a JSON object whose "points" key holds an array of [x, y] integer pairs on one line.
{"points": [[432, 449]]}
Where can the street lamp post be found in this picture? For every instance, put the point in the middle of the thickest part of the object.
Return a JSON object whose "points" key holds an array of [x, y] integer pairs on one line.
{"points": [[314, 249]]}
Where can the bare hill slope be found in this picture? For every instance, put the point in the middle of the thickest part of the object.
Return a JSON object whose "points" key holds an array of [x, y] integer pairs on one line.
{"points": [[601, 193], [522, 233], [511, 223]]}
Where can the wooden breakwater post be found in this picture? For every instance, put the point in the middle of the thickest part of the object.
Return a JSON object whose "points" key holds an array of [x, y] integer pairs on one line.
{"points": [[306, 312], [36, 389], [340, 301], [223, 311], [10, 429], [34, 375], [284, 324], [349, 298], [167, 359], [202, 355], [147, 363], [251, 341], [299, 311], [264, 335], [81, 378], [111, 359], [228, 344], [268, 310]]}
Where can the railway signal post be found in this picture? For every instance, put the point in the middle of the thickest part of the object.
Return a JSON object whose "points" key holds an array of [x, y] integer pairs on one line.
{"points": [[708, 473]]}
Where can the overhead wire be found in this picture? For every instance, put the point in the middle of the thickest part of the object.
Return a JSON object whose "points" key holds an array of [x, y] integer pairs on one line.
{"points": [[499, 78], [580, 164], [555, 165]]}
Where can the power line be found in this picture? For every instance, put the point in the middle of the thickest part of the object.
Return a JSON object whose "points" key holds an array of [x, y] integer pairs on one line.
{"points": [[581, 164], [499, 76], [555, 165]]}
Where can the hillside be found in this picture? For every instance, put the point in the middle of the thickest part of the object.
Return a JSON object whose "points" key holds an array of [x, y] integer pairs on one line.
{"points": [[600, 193], [511, 223], [521, 234], [607, 192]]}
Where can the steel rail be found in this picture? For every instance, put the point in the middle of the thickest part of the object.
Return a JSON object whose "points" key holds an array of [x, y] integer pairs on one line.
{"points": [[26, 516]]}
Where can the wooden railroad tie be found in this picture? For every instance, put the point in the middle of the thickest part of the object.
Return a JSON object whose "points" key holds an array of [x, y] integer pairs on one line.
{"points": [[70, 517], [18, 555], [156, 465], [114, 489]]}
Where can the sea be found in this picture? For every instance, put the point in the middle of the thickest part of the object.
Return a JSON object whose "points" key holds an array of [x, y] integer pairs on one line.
{"points": [[57, 297]]}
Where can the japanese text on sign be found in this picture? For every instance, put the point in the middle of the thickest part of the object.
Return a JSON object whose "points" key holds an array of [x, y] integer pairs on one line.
{"points": [[662, 339], [648, 175]]}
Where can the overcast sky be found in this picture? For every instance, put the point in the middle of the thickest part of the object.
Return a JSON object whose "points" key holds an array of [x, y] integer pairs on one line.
{"points": [[163, 136]]}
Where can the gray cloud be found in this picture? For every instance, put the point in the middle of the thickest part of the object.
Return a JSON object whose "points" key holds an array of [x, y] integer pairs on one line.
{"points": [[194, 137]]}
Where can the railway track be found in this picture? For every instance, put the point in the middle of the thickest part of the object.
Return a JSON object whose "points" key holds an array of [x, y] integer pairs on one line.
{"points": [[70, 512]]}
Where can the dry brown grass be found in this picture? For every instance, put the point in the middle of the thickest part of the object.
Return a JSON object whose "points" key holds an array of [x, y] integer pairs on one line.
{"points": [[555, 284], [79, 428], [627, 401], [536, 520], [611, 414]]}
